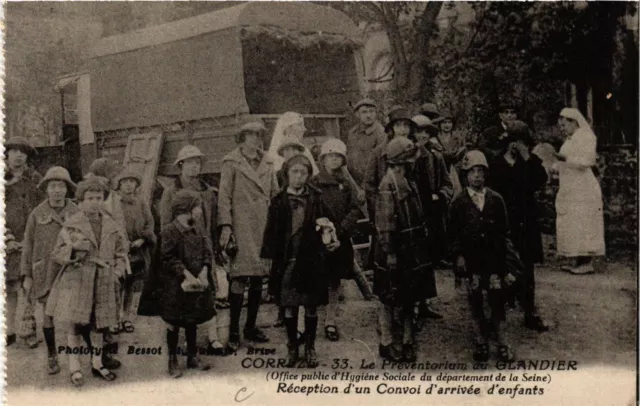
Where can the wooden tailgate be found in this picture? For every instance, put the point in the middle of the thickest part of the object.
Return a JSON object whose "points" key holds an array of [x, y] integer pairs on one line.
{"points": [[143, 156]]}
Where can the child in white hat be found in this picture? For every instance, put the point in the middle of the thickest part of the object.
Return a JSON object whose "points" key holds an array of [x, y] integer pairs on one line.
{"points": [[478, 234]]}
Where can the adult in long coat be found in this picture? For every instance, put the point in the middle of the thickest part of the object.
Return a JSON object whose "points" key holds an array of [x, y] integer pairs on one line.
{"points": [[21, 197], [247, 184], [580, 221], [517, 174]]}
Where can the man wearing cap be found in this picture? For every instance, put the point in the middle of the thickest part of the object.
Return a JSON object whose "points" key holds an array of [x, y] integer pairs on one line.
{"points": [[21, 197], [431, 111], [402, 254], [247, 184], [363, 138], [493, 140], [517, 175], [41, 233]]}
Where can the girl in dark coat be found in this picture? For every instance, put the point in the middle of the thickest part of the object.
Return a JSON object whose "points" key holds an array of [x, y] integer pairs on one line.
{"points": [[299, 274], [517, 174], [187, 256], [139, 225], [403, 256], [340, 198]]}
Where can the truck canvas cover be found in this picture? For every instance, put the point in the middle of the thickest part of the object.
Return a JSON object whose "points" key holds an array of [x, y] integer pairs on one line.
{"points": [[193, 68]]}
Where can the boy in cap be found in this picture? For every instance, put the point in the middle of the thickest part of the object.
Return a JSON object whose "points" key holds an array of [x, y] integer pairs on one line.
{"points": [[92, 252], [478, 233], [21, 197], [36, 268], [188, 294], [401, 252]]}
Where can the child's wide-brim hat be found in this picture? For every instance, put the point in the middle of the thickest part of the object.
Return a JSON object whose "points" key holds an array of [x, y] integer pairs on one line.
{"points": [[128, 173], [396, 114], [424, 123], [21, 144], [92, 182], [474, 158], [57, 173], [290, 142]]}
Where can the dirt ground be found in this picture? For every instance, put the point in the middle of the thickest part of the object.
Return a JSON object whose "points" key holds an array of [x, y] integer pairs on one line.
{"points": [[592, 317]]}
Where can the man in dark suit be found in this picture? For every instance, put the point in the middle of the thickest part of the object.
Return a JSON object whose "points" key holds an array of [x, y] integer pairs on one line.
{"points": [[492, 140]]}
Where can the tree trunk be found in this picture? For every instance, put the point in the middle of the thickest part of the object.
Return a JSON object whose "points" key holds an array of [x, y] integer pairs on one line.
{"points": [[426, 25]]}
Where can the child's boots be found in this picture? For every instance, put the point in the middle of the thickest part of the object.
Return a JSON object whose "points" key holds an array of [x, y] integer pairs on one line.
{"points": [[291, 324], [310, 327]]}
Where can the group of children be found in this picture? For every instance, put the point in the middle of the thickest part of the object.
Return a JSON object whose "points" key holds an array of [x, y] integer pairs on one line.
{"points": [[86, 261]]}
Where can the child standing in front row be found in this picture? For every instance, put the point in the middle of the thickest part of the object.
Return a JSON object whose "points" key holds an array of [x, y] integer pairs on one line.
{"points": [[340, 198], [187, 257], [478, 226], [298, 254], [402, 252], [92, 252], [40, 236]]}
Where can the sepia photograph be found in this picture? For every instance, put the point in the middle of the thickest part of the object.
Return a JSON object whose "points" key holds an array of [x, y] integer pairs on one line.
{"points": [[320, 202]]}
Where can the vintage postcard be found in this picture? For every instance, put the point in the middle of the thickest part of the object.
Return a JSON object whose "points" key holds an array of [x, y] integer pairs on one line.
{"points": [[320, 203]]}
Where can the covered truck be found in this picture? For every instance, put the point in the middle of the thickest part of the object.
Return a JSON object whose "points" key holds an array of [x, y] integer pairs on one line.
{"points": [[196, 80]]}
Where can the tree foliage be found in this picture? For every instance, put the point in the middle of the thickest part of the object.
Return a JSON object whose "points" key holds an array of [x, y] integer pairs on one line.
{"points": [[523, 52]]}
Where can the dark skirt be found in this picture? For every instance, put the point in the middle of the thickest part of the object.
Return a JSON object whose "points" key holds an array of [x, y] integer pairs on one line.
{"points": [[290, 295], [404, 286], [181, 308], [413, 279]]}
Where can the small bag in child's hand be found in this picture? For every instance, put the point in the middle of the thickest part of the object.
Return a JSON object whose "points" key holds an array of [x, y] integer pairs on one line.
{"points": [[328, 229], [191, 287]]}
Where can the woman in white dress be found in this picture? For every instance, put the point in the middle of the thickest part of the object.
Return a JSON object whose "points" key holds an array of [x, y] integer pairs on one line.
{"points": [[579, 221]]}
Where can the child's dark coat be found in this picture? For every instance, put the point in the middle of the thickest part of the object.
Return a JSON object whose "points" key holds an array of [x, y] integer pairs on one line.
{"points": [[311, 275]]}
